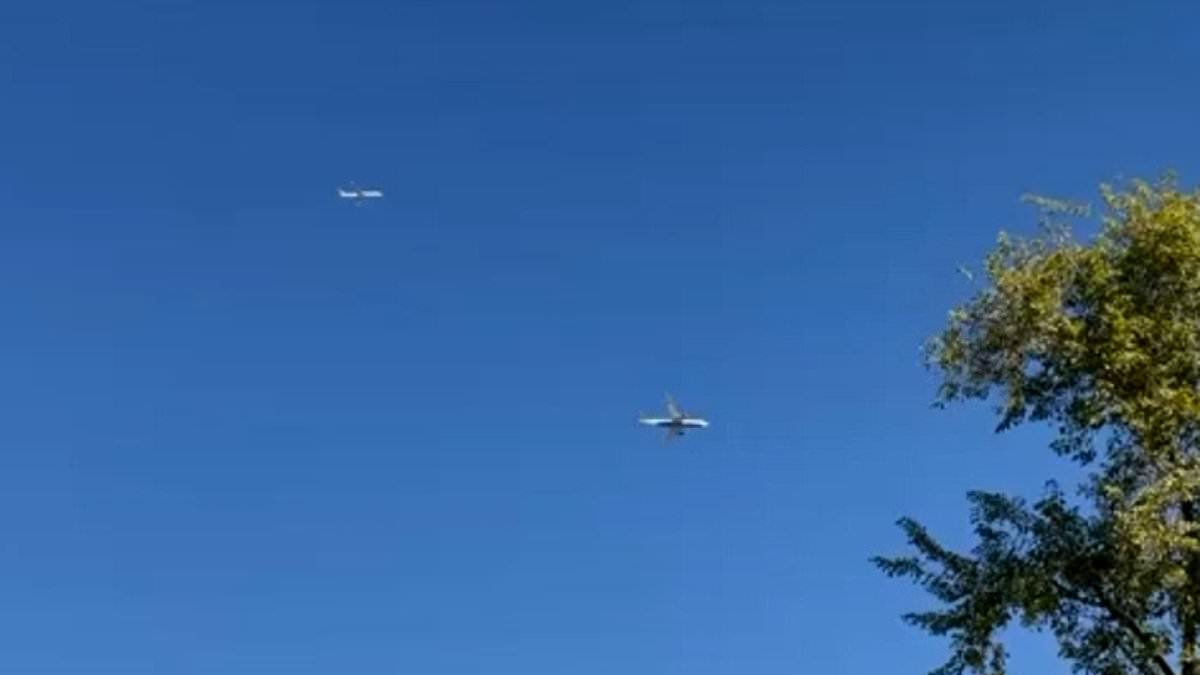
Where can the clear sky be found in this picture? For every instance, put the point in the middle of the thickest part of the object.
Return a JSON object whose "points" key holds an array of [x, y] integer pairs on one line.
{"points": [[246, 428]]}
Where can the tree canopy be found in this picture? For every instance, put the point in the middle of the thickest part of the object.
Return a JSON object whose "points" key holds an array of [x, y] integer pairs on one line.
{"points": [[1100, 340]]}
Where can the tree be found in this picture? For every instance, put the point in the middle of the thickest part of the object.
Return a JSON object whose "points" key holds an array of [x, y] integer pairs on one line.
{"points": [[1100, 340]]}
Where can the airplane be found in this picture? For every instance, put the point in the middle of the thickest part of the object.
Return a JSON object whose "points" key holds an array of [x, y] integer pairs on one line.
{"points": [[678, 422], [359, 195]]}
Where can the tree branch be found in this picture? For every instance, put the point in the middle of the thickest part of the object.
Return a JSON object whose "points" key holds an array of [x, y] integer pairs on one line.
{"points": [[1136, 629], [1132, 658], [1100, 601]]}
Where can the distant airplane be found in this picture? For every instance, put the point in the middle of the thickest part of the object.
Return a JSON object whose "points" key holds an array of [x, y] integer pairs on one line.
{"points": [[677, 422], [359, 195]]}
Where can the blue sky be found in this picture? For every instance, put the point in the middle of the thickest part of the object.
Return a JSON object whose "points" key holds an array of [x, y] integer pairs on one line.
{"points": [[250, 429]]}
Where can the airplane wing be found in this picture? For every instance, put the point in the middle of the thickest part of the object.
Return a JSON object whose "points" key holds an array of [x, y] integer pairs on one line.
{"points": [[672, 432]]}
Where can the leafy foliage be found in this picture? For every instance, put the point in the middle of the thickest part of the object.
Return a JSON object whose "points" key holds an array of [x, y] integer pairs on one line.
{"points": [[1101, 340]]}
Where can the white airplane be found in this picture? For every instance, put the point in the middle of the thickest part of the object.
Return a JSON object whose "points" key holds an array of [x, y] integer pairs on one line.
{"points": [[359, 195], [677, 423]]}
